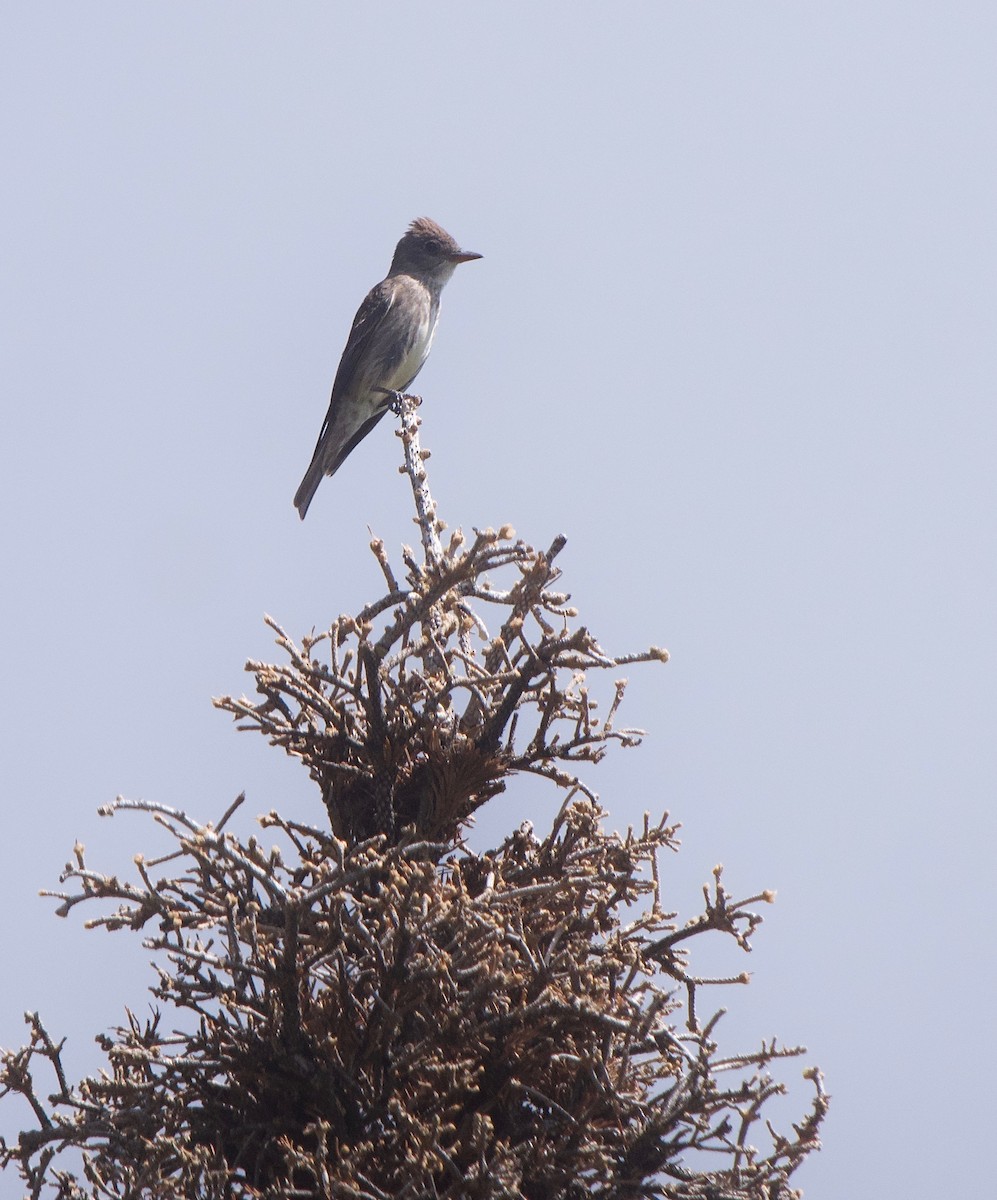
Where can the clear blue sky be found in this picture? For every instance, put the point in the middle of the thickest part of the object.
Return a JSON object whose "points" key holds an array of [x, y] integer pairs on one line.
{"points": [[733, 335]]}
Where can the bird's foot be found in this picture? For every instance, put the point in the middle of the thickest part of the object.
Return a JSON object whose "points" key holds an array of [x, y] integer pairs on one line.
{"points": [[397, 399]]}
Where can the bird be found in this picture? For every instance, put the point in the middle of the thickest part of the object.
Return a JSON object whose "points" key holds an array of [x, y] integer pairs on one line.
{"points": [[388, 344]]}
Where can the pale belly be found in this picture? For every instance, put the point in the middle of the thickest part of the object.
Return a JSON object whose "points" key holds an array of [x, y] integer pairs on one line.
{"points": [[416, 354]]}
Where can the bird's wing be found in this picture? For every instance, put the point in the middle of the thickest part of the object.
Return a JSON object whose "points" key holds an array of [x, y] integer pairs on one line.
{"points": [[369, 316], [346, 422], [371, 312]]}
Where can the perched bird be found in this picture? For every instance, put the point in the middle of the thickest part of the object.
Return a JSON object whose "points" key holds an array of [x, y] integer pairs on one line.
{"points": [[390, 340]]}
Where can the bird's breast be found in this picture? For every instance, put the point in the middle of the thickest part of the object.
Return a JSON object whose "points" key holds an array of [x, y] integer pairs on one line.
{"points": [[416, 352], [407, 334]]}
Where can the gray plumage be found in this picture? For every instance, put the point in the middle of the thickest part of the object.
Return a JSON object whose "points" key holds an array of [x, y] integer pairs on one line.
{"points": [[390, 340]]}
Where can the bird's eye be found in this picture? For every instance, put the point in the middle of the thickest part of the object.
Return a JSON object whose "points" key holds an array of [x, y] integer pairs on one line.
{"points": [[433, 246]]}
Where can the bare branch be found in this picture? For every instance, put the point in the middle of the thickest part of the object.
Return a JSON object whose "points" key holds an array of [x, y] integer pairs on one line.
{"points": [[373, 1009]]}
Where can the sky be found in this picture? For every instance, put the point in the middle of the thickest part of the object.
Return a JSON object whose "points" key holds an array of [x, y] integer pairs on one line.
{"points": [[732, 335]]}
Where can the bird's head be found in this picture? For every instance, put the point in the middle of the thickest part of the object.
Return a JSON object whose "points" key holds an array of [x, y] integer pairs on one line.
{"points": [[427, 251]]}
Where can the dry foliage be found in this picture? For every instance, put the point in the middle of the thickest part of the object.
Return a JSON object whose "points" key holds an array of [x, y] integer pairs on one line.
{"points": [[373, 1010]]}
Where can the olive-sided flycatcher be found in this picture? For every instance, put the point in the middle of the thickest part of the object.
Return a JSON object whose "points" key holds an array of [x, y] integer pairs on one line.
{"points": [[388, 344]]}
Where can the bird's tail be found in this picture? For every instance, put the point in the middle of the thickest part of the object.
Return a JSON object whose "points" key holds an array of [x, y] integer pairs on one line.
{"points": [[306, 490]]}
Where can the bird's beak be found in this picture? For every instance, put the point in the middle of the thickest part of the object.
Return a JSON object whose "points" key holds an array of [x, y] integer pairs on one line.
{"points": [[464, 256]]}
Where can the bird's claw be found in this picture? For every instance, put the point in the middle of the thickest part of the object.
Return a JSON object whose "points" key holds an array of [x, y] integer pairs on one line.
{"points": [[397, 399]]}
